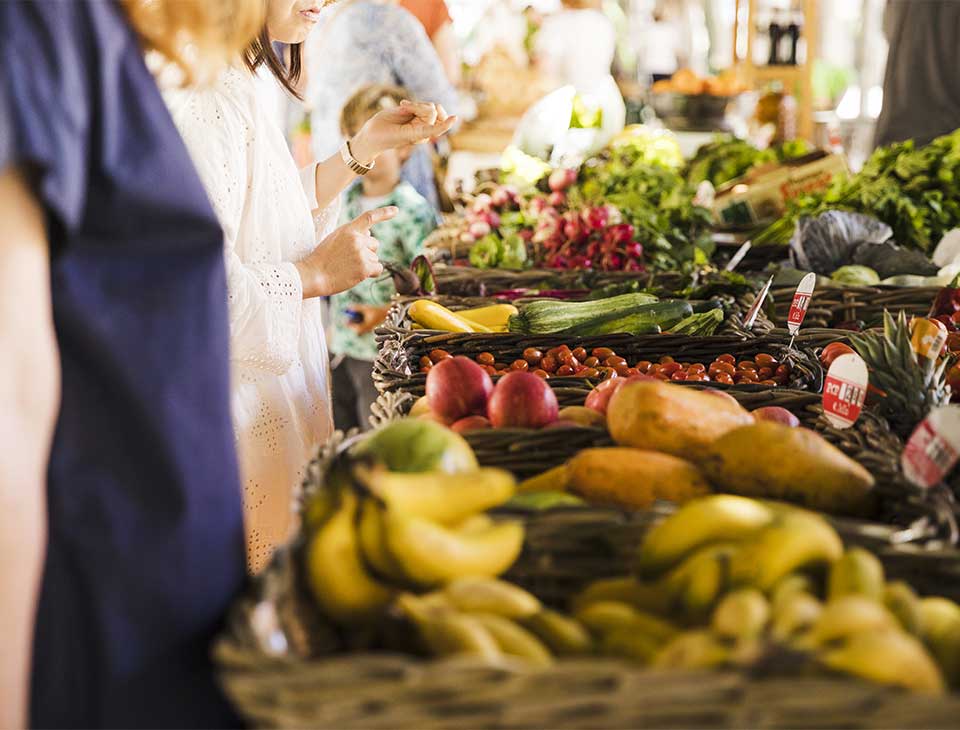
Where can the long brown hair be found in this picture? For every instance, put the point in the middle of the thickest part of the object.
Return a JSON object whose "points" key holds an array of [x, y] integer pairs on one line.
{"points": [[199, 36], [260, 52]]}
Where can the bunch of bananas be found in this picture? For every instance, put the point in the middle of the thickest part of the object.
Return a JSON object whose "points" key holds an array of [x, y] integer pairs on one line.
{"points": [[727, 580], [492, 619], [375, 532]]}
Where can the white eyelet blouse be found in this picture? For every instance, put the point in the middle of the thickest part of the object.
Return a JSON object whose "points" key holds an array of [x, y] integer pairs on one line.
{"points": [[281, 398]]}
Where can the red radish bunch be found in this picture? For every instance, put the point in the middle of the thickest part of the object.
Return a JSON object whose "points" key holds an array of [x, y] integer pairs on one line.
{"points": [[483, 216], [594, 238]]}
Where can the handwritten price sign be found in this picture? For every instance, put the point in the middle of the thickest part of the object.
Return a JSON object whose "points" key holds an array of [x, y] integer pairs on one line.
{"points": [[844, 390], [934, 448], [801, 303]]}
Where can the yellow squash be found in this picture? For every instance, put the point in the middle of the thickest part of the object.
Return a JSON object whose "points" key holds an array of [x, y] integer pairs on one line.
{"points": [[495, 316], [437, 317]]}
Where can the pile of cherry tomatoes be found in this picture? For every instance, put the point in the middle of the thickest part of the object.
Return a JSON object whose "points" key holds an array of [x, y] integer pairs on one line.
{"points": [[603, 363]]}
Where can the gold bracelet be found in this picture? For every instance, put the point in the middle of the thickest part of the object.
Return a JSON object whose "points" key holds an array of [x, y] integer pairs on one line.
{"points": [[352, 162]]}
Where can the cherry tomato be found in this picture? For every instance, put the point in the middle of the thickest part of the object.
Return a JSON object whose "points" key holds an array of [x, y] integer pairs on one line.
{"points": [[592, 362], [832, 351], [602, 353], [727, 358], [764, 360], [541, 373], [725, 378], [501, 366], [553, 352], [666, 359], [724, 367], [549, 363], [698, 377], [746, 365], [670, 368], [532, 355], [425, 362], [589, 372], [696, 369], [747, 376], [519, 365], [438, 355], [643, 366], [567, 358], [655, 370], [490, 370], [769, 382], [622, 371], [607, 373], [615, 362], [765, 373], [679, 375], [565, 371], [484, 358], [425, 368], [580, 354], [631, 372]]}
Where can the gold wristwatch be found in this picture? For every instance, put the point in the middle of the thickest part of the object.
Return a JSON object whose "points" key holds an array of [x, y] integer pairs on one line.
{"points": [[352, 162]]}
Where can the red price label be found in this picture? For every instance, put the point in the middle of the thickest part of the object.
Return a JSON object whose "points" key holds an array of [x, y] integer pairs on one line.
{"points": [[934, 448], [844, 390], [801, 303]]}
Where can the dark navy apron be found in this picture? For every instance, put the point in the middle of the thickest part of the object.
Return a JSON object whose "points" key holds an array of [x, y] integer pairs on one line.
{"points": [[145, 525]]}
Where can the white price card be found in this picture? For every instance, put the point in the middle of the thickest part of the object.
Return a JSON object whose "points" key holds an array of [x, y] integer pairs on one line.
{"points": [[845, 390], [934, 448], [801, 303]]}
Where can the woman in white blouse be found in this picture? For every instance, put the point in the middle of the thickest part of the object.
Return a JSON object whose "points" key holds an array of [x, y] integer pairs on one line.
{"points": [[281, 255]]}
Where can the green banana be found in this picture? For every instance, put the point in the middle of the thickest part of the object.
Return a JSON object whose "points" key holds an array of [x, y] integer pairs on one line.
{"points": [[643, 596], [564, 636], [940, 619], [692, 650], [514, 640], [901, 600]]}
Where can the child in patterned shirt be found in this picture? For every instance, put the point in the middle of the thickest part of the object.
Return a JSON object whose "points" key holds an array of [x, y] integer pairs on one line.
{"points": [[356, 313]]}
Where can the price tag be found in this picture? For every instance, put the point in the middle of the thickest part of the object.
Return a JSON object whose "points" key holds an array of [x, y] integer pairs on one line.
{"points": [[751, 317], [928, 336], [934, 448], [801, 303], [844, 390]]}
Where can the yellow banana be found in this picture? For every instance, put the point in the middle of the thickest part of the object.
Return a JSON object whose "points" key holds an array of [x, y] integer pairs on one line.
{"points": [[495, 317], [692, 650], [857, 571], [940, 619], [489, 595], [432, 555], [850, 615], [901, 600], [718, 518], [697, 583], [449, 633], [437, 317], [644, 596], [335, 572], [794, 541], [786, 587], [627, 643], [514, 640], [372, 540], [563, 635], [604, 617], [795, 614], [439, 497], [742, 614], [556, 479], [474, 523], [886, 657]]}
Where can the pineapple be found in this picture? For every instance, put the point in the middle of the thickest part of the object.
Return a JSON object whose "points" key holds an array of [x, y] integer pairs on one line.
{"points": [[911, 388]]}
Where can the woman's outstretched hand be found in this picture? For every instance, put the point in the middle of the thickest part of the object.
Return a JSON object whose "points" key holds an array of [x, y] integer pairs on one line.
{"points": [[345, 257], [413, 122]]}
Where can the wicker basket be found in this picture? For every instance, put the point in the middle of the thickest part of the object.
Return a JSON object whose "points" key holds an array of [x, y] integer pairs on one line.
{"points": [[279, 664], [527, 452], [832, 306], [397, 366]]}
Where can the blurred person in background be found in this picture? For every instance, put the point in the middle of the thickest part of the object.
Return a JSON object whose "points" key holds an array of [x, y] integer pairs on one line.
{"points": [[282, 255], [921, 87], [121, 536], [365, 42], [576, 47], [434, 16], [355, 313]]}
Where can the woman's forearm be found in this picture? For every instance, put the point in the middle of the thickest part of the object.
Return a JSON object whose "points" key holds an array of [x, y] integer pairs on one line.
{"points": [[29, 391], [332, 178]]}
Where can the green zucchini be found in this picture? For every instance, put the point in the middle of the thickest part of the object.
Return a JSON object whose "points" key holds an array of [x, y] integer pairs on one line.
{"points": [[547, 316], [643, 320], [702, 324]]}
